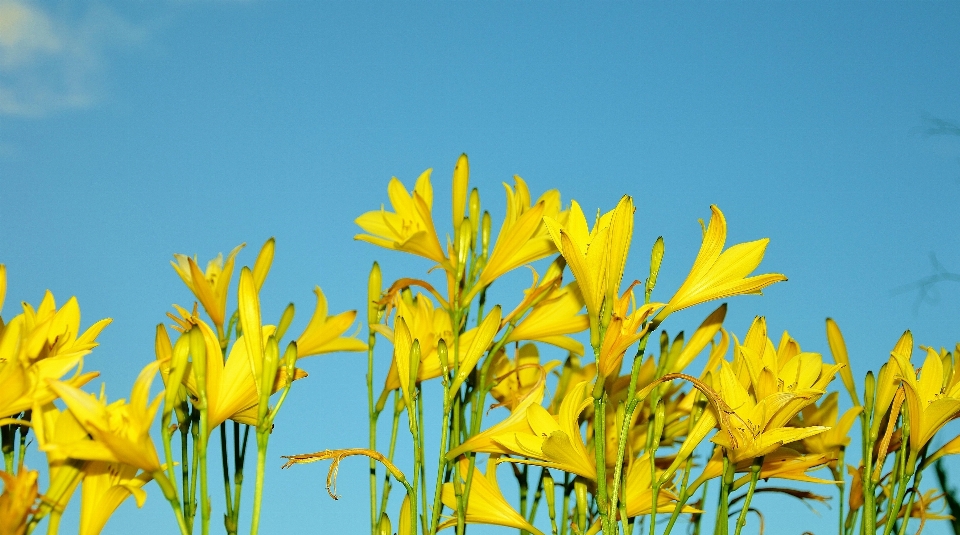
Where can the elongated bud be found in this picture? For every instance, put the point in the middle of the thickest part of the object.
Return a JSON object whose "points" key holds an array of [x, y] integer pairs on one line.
{"points": [[178, 367], [271, 359], [550, 492], [659, 417], [580, 490], [474, 216], [414, 365], [461, 185], [374, 289], [485, 224], [869, 393], [384, 527], [407, 520], [656, 258], [463, 248], [285, 320], [264, 260], [198, 350], [444, 359], [290, 362]]}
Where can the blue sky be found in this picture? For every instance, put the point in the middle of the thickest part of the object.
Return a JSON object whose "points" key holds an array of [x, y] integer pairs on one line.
{"points": [[131, 130]]}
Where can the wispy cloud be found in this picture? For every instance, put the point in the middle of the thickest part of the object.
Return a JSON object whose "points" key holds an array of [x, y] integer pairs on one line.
{"points": [[54, 61]]}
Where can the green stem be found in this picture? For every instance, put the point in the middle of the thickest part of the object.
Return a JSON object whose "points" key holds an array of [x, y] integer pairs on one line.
{"points": [[599, 448], [228, 499], [913, 495], [394, 431], [239, 457], [754, 477], [565, 510], [442, 462], [373, 415], [722, 509], [841, 483], [263, 437], [170, 493]]}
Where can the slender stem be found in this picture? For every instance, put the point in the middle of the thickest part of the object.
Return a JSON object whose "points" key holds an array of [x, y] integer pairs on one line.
{"points": [[754, 477], [53, 525], [394, 431], [263, 436], [195, 464], [239, 457], [202, 454], [537, 496], [599, 448], [841, 482], [170, 493], [424, 516], [224, 461], [913, 495], [373, 415], [565, 510], [184, 465], [442, 462], [23, 441], [7, 439], [723, 506]]}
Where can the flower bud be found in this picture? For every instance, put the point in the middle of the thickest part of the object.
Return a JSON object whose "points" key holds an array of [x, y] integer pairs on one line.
{"points": [[285, 320], [474, 216], [264, 260], [656, 258], [384, 527], [374, 289], [444, 359], [485, 224]]}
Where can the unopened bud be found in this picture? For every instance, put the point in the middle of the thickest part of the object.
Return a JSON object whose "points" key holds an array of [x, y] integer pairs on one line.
{"points": [[285, 320], [374, 289]]}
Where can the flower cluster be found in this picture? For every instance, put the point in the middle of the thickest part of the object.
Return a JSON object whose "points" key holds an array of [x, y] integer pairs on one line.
{"points": [[214, 372]]}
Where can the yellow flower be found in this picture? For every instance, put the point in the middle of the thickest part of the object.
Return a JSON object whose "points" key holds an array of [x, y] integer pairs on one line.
{"points": [[410, 227], [625, 329], [210, 288], [105, 487], [16, 502], [554, 442], [553, 317], [423, 323], [782, 463], [324, 334], [486, 441], [485, 504], [751, 429], [523, 237], [826, 415], [929, 406], [703, 336], [120, 430], [52, 427], [717, 274], [596, 257], [514, 380], [638, 490]]}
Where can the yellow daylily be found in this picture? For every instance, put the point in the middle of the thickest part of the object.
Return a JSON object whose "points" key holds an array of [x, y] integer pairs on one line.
{"points": [[625, 329], [523, 237], [427, 324], [231, 388], [702, 337], [750, 429], [554, 442], [53, 426], [928, 405], [554, 318], [324, 334], [596, 257], [515, 379], [105, 487], [485, 504], [717, 274], [210, 287], [826, 414], [410, 227], [486, 441], [120, 430], [24, 382], [16, 502]]}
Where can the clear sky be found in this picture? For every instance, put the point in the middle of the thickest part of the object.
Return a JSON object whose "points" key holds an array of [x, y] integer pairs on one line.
{"points": [[133, 130]]}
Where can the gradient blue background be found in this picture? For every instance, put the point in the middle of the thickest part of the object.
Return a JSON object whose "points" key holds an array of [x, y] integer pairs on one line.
{"points": [[133, 130]]}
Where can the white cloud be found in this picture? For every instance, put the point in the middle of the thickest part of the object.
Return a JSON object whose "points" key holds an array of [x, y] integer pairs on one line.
{"points": [[54, 61]]}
